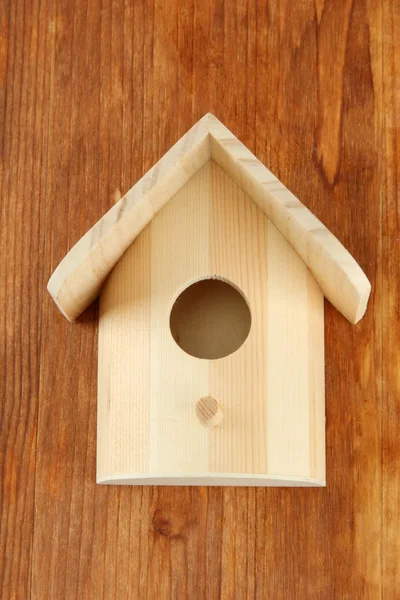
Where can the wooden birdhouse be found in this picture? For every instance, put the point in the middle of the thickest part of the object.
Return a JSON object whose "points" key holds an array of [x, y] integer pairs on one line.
{"points": [[212, 277]]}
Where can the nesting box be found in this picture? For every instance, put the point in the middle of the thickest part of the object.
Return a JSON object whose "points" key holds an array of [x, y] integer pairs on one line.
{"points": [[212, 277]]}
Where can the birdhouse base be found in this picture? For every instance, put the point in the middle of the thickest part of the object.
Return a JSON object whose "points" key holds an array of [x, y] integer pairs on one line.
{"points": [[215, 479]]}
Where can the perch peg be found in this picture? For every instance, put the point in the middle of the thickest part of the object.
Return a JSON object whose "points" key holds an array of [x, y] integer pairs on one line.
{"points": [[209, 412]]}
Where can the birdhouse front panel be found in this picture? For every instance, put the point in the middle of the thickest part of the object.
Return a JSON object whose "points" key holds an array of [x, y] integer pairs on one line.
{"points": [[211, 349]]}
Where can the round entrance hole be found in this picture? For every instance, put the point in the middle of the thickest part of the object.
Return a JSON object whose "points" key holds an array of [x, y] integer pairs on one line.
{"points": [[210, 319]]}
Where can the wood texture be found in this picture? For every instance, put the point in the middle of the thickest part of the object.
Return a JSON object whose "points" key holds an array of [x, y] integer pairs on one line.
{"points": [[391, 306], [209, 412], [92, 94], [271, 388], [78, 278]]}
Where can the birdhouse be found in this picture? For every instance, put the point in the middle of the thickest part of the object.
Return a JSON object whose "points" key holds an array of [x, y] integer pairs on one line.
{"points": [[212, 277]]}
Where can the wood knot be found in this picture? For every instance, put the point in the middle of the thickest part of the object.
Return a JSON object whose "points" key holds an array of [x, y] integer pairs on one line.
{"points": [[169, 522], [208, 411]]}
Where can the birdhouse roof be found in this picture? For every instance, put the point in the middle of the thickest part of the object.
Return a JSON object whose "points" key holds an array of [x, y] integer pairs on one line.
{"points": [[78, 279]]}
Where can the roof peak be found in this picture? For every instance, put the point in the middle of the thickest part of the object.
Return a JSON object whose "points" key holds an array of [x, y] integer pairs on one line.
{"points": [[79, 277]]}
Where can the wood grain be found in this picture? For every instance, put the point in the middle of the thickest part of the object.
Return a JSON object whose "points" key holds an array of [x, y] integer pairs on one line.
{"points": [[271, 388], [91, 96], [209, 411], [391, 306], [78, 278]]}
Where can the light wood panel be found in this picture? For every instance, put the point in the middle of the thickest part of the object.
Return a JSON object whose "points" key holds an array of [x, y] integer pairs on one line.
{"points": [[271, 389], [123, 365]]}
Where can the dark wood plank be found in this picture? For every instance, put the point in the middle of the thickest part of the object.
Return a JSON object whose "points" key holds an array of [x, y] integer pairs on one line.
{"points": [[326, 145], [391, 306], [24, 85], [92, 93]]}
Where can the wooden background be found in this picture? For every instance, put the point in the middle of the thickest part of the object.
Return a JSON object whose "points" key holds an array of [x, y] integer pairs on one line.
{"points": [[92, 93]]}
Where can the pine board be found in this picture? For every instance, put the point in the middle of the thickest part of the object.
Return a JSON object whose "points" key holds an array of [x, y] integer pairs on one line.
{"points": [[271, 389]]}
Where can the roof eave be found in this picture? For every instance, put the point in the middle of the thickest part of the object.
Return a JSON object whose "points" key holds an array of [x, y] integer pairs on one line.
{"points": [[79, 277]]}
